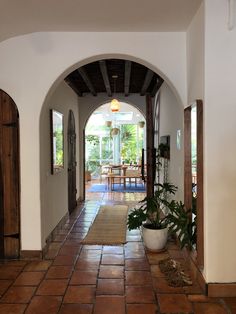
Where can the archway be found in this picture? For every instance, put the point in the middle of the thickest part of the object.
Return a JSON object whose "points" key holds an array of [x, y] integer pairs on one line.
{"points": [[113, 145], [9, 178], [88, 105]]}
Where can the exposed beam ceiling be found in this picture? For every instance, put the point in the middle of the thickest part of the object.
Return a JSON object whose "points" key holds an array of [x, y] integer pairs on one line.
{"points": [[74, 87], [98, 77], [147, 81], [103, 68], [87, 81], [127, 76]]}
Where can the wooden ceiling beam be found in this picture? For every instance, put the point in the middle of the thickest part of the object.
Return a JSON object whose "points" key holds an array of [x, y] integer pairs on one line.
{"points": [[127, 77], [147, 81], [73, 86], [103, 69], [157, 86], [87, 80]]}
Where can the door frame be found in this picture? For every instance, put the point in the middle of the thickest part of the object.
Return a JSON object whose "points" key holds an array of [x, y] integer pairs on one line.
{"points": [[200, 178], [70, 133]]}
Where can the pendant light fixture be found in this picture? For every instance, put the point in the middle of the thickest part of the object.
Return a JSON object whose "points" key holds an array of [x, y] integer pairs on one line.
{"points": [[115, 105]]}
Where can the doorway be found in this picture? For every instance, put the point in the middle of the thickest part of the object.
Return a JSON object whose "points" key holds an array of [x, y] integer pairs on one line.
{"points": [[9, 178], [113, 149], [71, 140]]}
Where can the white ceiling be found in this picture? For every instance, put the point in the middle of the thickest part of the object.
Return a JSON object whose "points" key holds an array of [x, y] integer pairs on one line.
{"points": [[19, 17]]}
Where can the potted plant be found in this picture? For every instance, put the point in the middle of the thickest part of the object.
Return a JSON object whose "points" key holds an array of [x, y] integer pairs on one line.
{"points": [[150, 216], [182, 222]]}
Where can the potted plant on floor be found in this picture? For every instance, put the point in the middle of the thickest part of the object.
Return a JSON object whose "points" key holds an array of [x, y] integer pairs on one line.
{"points": [[151, 218], [182, 222]]}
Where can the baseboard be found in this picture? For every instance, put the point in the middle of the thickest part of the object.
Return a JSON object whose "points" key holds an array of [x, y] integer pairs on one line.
{"points": [[31, 254], [54, 232], [222, 289], [198, 276], [209, 289]]}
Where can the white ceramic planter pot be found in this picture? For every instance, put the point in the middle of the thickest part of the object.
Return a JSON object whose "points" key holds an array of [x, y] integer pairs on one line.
{"points": [[154, 240]]}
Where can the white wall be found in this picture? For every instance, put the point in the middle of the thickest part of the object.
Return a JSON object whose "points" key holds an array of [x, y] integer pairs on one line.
{"points": [[220, 143], [195, 57], [89, 103], [171, 120], [33, 65], [54, 188]]}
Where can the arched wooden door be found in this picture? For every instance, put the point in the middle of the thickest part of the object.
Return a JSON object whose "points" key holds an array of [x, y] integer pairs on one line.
{"points": [[9, 178], [71, 140]]}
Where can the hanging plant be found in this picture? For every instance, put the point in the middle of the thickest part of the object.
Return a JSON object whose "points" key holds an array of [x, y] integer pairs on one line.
{"points": [[92, 139], [115, 131], [108, 123], [141, 124]]}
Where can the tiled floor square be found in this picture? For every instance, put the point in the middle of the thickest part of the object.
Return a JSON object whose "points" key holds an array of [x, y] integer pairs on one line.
{"points": [[109, 304], [79, 294], [209, 308], [110, 259], [141, 309], [59, 272], [112, 249], [68, 250], [12, 308], [9, 272], [38, 266], [110, 286], [156, 272], [76, 309], [4, 285], [90, 254], [52, 287], [139, 278], [63, 260], [161, 286], [134, 254], [44, 304], [87, 265], [18, 294], [174, 303], [29, 278], [109, 272], [140, 294], [84, 278], [154, 259], [136, 264]]}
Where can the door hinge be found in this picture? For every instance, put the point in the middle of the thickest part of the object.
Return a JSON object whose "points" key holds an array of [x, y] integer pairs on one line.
{"points": [[13, 235], [10, 125]]}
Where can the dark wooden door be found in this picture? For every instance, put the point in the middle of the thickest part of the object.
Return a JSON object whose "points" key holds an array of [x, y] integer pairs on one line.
{"points": [[71, 139], [151, 165], [9, 178]]}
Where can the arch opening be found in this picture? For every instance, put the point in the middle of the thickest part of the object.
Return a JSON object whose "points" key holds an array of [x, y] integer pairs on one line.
{"points": [[113, 139], [87, 104]]}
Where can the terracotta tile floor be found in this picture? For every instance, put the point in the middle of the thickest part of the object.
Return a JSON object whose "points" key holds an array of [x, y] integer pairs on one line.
{"points": [[95, 279]]}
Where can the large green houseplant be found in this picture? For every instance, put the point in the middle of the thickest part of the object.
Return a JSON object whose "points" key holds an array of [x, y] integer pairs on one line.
{"points": [[150, 216]]}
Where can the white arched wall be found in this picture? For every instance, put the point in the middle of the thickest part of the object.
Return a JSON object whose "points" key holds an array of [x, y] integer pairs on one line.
{"points": [[33, 65]]}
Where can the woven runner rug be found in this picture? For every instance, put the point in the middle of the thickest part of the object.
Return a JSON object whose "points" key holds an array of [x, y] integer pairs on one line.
{"points": [[109, 226]]}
